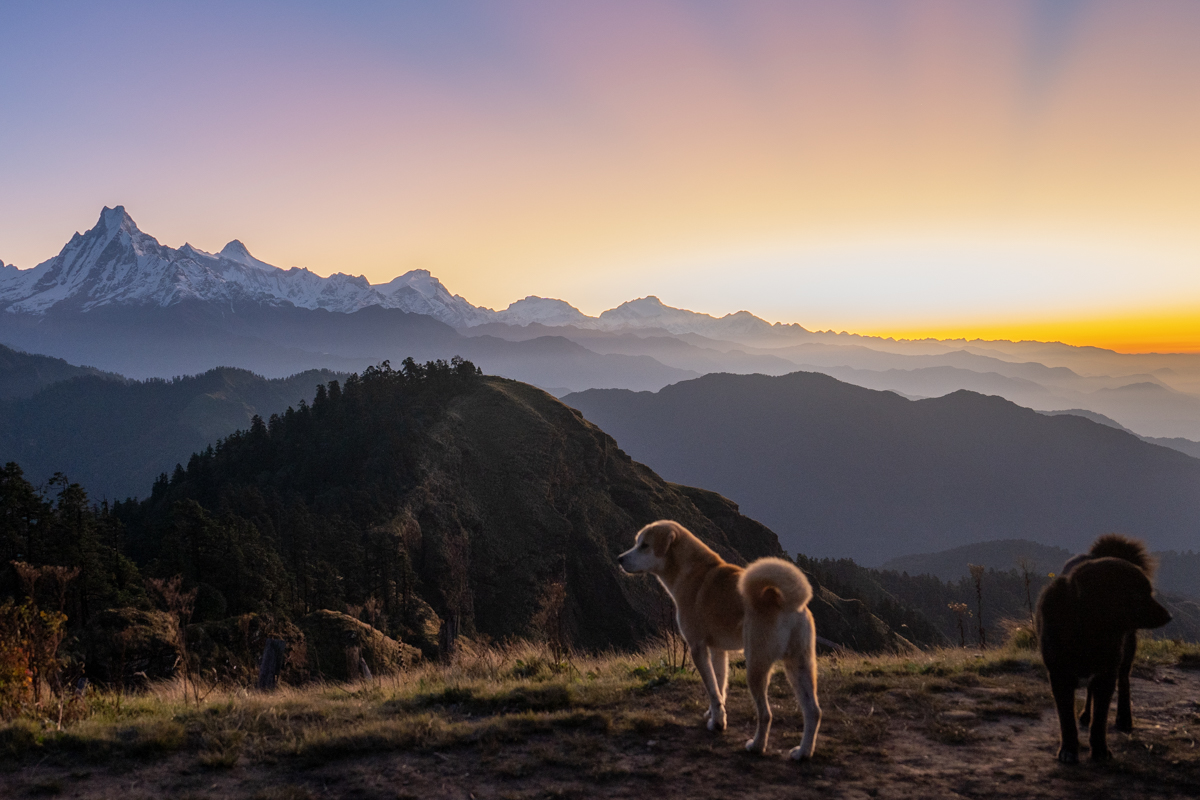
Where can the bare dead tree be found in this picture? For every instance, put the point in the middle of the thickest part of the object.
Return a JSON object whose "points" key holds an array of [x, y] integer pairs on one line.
{"points": [[977, 577], [456, 588], [1026, 567], [963, 613]]}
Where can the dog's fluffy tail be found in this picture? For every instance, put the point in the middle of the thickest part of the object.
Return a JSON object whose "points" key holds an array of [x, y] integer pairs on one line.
{"points": [[772, 584], [1115, 545]]}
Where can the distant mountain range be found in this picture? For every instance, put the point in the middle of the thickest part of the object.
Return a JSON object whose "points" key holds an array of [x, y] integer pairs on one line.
{"points": [[115, 263], [117, 299], [839, 470]]}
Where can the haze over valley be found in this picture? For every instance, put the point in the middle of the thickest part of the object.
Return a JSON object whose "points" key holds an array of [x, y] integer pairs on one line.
{"points": [[118, 300]]}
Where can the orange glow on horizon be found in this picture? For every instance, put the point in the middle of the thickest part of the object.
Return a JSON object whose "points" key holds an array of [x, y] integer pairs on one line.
{"points": [[1172, 330]]}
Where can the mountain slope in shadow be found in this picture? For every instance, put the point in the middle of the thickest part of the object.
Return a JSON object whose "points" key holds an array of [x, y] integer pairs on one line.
{"points": [[838, 470]]}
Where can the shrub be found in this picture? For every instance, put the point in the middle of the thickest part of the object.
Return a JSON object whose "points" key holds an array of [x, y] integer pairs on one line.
{"points": [[16, 683]]}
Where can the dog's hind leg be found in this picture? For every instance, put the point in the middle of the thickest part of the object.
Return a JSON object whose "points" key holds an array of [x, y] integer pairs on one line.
{"points": [[1063, 688], [758, 677], [1124, 707], [716, 699], [1101, 687], [802, 675]]}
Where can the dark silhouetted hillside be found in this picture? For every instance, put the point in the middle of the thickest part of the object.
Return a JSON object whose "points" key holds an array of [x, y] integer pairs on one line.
{"points": [[24, 374], [837, 470], [1003, 555], [115, 438]]}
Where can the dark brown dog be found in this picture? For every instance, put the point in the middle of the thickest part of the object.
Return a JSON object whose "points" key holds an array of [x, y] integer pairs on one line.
{"points": [[1117, 546], [1084, 620]]}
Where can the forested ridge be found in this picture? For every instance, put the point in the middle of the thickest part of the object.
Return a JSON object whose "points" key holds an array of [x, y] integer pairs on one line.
{"points": [[296, 513]]}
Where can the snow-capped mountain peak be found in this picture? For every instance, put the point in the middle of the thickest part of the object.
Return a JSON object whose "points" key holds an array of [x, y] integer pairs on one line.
{"points": [[417, 291], [543, 310], [237, 252], [650, 312]]}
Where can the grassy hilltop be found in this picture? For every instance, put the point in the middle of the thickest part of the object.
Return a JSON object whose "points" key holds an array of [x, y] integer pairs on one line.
{"points": [[512, 722]]}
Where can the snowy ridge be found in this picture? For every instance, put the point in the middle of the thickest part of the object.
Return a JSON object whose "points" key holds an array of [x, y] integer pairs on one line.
{"points": [[116, 263], [646, 313], [650, 312]]}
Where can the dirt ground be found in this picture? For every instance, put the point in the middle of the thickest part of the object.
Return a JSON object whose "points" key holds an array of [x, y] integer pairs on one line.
{"points": [[882, 737]]}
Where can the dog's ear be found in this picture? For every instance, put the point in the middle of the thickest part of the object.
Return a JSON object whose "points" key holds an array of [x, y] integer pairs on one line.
{"points": [[1117, 591], [1151, 613], [664, 537]]}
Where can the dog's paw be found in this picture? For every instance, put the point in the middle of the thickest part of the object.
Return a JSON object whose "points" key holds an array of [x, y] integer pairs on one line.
{"points": [[798, 754], [716, 720], [1100, 754], [754, 747], [1124, 724], [707, 714], [1067, 756]]}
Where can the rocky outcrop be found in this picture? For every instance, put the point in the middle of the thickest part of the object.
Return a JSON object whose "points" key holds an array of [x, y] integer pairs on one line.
{"points": [[128, 647], [338, 645]]}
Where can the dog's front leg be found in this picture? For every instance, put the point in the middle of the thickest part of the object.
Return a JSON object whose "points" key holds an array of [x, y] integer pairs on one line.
{"points": [[716, 701], [720, 662]]}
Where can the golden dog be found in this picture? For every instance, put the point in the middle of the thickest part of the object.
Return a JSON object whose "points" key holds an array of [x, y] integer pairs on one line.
{"points": [[720, 607]]}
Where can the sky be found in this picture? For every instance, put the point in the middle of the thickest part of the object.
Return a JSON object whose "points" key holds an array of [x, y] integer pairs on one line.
{"points": [[982, 168]]}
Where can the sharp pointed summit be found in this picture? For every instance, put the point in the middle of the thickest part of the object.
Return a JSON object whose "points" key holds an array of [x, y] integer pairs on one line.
{"points": [[238, 252], [116, 218], [235, 249]]}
